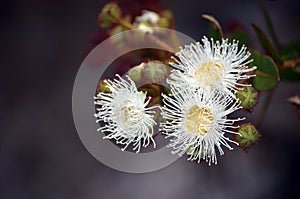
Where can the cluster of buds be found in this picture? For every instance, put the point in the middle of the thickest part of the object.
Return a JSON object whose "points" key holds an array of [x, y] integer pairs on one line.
{"points": [[111, 17]]}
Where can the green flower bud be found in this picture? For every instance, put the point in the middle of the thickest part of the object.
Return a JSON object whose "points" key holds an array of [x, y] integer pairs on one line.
{"points": [[248, 97], [109, 14], [249, 135], [167, 14], [166, 18], [155, 71], [117, 41], [135, 73]]}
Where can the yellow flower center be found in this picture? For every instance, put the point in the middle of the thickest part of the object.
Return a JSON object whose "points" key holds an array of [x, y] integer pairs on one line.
{"points": [[199, 120], [209, 73], [131, 115]]}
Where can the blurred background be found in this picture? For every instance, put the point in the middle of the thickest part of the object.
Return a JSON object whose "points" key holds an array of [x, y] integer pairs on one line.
{"points": [[41, 155]]}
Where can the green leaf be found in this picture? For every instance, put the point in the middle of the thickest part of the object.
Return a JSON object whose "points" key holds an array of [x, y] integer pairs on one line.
{"points": [[290, 75], [268, 22], [291, 50], [214, 28], [214, 32], [240, 35], [267, 75], [267, 45]]}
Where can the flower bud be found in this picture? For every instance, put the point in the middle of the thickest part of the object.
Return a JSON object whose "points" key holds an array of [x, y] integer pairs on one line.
{"points": [[166, 19], [248, 97], [109, 14], [155, 71], [135, 73], [249, 135]]}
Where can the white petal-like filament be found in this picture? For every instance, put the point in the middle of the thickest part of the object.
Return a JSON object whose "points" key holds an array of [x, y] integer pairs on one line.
{"points": [[211, 65], [125, 114], [196, 122]]}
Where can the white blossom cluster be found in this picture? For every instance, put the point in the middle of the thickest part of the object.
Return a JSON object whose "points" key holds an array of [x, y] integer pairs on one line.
{"points": [[203, 84]]}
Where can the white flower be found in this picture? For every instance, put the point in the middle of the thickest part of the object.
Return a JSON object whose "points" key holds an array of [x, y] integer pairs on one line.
{"points": [[124, 111], [147, 20], [197, 123], [211, 66]]}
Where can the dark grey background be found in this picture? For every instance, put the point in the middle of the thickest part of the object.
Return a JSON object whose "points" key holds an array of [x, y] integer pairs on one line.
{"points": [[41, 155]]}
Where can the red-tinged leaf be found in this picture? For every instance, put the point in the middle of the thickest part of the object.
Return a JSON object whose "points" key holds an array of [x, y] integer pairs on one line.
{"points": [[267, 45], [268, 22], [215, 30]]}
